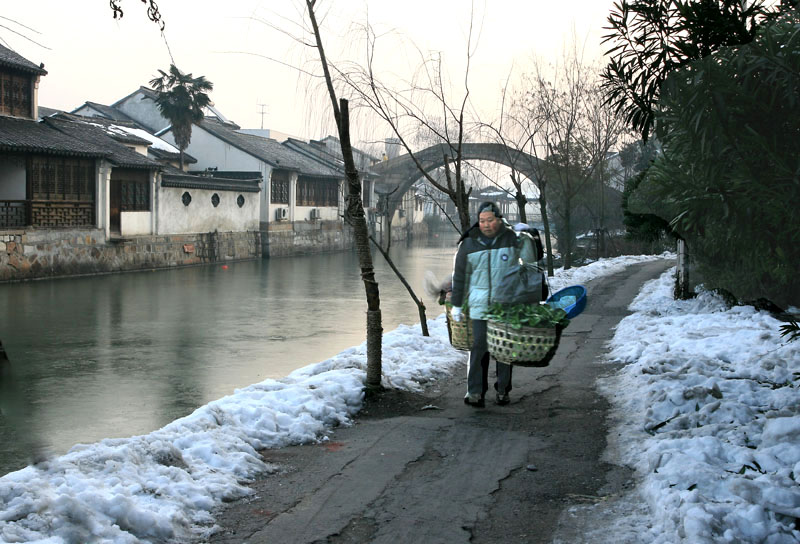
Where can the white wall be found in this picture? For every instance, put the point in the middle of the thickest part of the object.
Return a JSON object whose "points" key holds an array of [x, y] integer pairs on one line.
{"points": [[135, 223], [12, 177], [201, 216]]}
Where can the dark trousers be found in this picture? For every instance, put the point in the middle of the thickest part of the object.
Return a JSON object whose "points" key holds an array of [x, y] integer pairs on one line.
{"points": [[478, 371]]}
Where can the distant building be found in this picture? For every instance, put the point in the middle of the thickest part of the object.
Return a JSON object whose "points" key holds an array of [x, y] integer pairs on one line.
{"points": [[86, 195]]}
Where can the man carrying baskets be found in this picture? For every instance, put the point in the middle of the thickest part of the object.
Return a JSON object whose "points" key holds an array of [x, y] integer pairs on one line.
{"points": [[484, 256]]}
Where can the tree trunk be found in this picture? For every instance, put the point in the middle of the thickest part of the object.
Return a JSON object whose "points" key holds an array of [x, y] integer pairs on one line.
{"points": [[354, 214], [682, 272]]}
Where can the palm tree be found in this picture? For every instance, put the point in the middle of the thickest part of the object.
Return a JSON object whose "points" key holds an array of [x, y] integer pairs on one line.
{"points": [[181, 99]]}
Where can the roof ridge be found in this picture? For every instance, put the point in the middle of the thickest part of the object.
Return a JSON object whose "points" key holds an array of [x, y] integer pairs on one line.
{"points": [[9, 57]]}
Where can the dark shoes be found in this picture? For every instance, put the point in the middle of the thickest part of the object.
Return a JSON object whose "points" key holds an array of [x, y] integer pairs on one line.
{"points": [[478, 402], [474, 400]]}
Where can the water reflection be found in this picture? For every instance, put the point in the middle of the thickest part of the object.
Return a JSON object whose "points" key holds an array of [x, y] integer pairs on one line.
{"points": [[120, 355]]}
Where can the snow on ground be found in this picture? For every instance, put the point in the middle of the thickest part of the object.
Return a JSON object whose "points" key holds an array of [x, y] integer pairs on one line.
{"points": [[705, 409]]}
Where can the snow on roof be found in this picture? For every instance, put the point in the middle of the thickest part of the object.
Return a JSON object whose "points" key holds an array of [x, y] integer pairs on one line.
{"points": [[155, 141]]}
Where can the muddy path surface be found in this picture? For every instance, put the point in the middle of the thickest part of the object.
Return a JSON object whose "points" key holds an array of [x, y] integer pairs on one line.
{"points": [[425, 467]]}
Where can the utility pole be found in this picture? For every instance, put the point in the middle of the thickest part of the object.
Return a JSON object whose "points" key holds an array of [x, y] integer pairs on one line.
{"points": [[264, 110]]}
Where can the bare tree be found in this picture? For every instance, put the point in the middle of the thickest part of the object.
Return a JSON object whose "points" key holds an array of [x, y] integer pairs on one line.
{"points": [[354, 214], [424, 106]]}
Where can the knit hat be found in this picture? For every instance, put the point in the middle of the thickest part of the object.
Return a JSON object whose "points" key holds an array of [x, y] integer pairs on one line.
{"points": [[490, 207]]}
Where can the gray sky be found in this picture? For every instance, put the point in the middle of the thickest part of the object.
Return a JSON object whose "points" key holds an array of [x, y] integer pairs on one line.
{"points": [[92, 57]]}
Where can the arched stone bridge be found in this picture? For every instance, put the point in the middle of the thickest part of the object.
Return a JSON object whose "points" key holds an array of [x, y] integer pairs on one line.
{"points": [[396, 176]]}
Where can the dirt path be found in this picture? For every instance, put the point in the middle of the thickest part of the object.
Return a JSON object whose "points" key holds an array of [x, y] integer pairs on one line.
{"points": [[427, 468]]}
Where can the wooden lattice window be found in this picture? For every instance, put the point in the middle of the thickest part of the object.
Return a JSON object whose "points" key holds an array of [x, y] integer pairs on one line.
{"points": [[317, 192], [134, 190], [279, 188], [15, 94], [61, 178]]}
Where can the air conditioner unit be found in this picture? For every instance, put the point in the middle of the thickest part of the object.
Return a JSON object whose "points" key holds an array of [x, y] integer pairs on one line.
{"points": [[315, 213], [281, 214]]}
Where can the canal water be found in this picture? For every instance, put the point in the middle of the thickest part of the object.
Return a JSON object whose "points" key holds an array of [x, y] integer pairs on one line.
{"points": [[125, 354]]}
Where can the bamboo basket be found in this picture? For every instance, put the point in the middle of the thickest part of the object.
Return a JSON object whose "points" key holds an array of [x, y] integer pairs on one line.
{"points": [[460, 331], [526, 346]]}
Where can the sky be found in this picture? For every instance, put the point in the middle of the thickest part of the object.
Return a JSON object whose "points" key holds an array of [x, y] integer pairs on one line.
{"points": [[243, 48], [703, 410]]}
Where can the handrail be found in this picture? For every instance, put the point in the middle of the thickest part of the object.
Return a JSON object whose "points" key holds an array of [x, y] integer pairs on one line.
{"points": [[23, 213]]}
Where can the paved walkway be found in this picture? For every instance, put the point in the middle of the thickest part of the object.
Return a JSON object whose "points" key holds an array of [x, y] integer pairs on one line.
{"points": [[454, 473]]}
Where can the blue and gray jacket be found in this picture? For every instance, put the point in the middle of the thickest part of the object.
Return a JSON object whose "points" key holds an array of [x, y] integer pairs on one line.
{"points": [[481, 263]]}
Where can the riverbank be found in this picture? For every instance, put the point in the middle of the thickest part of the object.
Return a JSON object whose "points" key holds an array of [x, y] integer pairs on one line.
{"points": [[201, 460]]}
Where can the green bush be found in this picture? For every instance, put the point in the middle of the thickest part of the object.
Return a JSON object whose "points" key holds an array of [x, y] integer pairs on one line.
{"points": [[730, 172]]}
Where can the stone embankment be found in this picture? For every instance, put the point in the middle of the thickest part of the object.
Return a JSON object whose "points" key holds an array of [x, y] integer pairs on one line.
{"points": [[35, 254]]}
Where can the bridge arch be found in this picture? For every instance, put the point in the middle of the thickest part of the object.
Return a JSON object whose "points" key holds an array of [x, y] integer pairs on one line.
{"points": [[396, 176]]}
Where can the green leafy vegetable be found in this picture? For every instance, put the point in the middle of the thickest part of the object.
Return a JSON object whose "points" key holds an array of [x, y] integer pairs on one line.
{"points": [[528, 315]]}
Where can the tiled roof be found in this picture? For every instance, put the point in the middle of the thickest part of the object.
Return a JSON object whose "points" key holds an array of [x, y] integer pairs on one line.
{"points": [[13, 59], [96, 137], [28, 136], [173, 177], [269, 150], [46, 112]]}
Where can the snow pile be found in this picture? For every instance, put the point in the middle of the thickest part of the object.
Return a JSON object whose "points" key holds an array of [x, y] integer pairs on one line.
{"points": [[163, 486], [707, 413]]}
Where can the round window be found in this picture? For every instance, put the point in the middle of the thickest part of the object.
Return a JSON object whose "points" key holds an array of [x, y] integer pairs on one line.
{"points": [[240, 201], [186, 198], [215, 200]]}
